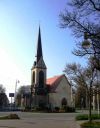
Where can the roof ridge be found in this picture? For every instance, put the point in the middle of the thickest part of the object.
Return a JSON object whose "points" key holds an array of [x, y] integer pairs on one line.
{"points": [[58, 79], [54, 79], [55, 76]]}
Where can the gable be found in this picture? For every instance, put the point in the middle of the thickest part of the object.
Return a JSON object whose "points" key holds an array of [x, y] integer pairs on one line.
{"points": [[54, 82], [64, 86]]}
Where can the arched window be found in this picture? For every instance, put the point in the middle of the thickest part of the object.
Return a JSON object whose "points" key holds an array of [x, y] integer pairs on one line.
{"points": [[33, 77], [64, 102], [41, 79]]}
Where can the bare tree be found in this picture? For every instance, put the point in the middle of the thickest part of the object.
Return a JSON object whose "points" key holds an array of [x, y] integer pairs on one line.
{"points": [[23, 91], [83, 16], [2, 89], [82, 79]]}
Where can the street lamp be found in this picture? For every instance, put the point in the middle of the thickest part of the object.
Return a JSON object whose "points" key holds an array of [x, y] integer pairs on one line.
{"points": [[86, 44], [98, 100], [95, 61], [93, 97], [31, 96], [17, 81]]}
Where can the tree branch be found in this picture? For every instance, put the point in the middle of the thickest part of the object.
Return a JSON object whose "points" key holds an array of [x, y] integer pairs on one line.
{"points": [[98, 9]]}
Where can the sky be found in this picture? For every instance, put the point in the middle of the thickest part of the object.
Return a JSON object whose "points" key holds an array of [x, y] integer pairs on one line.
{"points": [[19, 25]]}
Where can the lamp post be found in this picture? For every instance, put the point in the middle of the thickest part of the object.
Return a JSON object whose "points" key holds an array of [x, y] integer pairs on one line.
{"points": [[31, 96], [17, 81], [86, 45], [98, 100], [96, 92], [93, 98]]}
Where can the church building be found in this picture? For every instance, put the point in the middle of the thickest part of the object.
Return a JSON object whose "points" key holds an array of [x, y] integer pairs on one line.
{"points": [[55, 91]]}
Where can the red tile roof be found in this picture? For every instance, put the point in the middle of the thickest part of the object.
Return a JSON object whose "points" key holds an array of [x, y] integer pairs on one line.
{"points": [[54, 80]]}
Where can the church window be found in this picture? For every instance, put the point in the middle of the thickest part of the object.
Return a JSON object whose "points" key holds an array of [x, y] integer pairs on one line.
{"points": [[33, 77], [64, 102], [41, 79]]}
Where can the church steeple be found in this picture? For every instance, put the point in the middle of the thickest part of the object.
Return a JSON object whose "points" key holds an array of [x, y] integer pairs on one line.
{"points": [[39, 46], [38, 75]]}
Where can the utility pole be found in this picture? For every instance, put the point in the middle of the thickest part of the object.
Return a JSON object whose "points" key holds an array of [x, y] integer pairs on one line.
{"points": [[17, 81]]}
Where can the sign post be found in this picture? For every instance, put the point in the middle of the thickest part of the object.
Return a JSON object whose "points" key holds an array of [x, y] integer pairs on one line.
{"points": [[11, 95]]}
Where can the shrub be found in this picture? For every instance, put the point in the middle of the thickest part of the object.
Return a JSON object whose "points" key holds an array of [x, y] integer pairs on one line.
{"points": [[68, 109], [62, 111], [38, 109], [56, 109], [10, 116], [82, 117], [13, 116], [90, 125]]}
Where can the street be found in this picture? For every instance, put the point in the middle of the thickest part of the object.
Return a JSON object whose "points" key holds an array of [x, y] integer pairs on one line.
{"points": [[40, 120]]}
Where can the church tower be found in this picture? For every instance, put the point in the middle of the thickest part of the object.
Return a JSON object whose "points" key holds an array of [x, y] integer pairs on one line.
{"points": [[38, 77]]}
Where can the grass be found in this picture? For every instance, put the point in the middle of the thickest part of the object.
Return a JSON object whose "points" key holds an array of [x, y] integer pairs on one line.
{"points": [[10, 116], [86, 116], [93, 124], [87, 124]]}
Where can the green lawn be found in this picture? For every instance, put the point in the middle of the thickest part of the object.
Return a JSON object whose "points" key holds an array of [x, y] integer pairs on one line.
{"points": [[86, 116], [93, 124]]}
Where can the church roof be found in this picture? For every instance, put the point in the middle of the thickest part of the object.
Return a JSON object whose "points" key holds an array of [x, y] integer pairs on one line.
{"points": [[53, 82]]}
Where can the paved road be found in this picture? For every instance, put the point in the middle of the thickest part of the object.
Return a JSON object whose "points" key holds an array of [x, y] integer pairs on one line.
{"points": [[40, 120]]}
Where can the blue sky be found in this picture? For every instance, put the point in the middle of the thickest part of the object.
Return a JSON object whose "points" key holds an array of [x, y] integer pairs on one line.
{"points": [[19, 24]]}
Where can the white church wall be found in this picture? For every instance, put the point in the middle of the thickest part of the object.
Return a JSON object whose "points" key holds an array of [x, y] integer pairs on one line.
{"points": [[63, 91], [52, 100]]}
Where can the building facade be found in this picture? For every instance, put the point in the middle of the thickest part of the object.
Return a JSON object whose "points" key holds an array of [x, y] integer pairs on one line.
{"points": [[55, 91], [38, 78]]}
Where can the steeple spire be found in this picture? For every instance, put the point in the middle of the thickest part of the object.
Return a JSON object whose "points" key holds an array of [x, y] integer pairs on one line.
{"points": [[39, 46]]}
